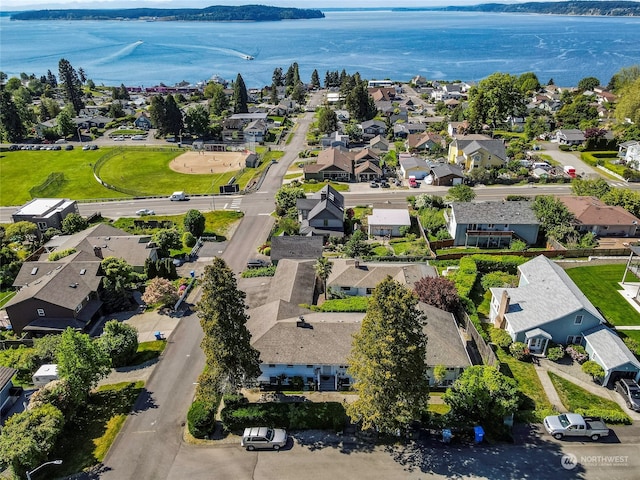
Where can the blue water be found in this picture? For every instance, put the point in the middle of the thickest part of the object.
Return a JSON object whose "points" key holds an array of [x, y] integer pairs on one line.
{"points": [[378, 44]]}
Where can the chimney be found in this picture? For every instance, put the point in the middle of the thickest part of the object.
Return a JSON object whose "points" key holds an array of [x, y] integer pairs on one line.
{"points": [[504, 308], [97, 251]]}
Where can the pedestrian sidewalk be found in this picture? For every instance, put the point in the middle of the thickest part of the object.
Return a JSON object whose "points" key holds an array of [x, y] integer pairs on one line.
{"points": [[549, 389]]}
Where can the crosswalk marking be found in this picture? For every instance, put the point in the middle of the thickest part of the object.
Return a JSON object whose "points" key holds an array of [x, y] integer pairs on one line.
{"points": [[235, 204], [619, 184]]}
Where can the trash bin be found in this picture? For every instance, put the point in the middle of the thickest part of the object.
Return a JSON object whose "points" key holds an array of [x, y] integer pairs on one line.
{"points": [[479, 434], [446, 435], [158, 335]]}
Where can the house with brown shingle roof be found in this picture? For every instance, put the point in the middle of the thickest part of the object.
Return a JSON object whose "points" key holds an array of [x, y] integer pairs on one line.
{"points": [[592, 215], [425, 141], [332, 164]]}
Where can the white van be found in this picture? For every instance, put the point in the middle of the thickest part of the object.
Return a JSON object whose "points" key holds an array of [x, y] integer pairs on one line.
{"points": [[177, 196], [542, 165]]}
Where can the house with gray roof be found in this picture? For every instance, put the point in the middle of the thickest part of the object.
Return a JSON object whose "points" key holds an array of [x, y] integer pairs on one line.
{"points": [[446, 174], [570, 136], [56, 295], [322, 213], [411, 166], [491, 224], [477, 151], [296, 247], [547, 306], [354, 277], [607, 349]]}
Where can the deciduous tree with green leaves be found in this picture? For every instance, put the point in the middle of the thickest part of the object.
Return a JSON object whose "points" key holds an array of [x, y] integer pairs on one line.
{"points": [[28, 437], [555, 218], [194, 222], [387, 361], [494, 99], [286, 198], [591, 188], [357, 245], [118, 276], [482, 396], [120, 342], [327, 120], [227, 341], [460, 193], [73, 223]]}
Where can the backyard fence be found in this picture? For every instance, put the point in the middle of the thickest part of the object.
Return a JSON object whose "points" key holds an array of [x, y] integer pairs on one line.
{"points": [[485, 350]]}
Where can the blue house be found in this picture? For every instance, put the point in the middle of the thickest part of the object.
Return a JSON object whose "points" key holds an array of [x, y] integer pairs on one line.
{"points": [[546, 305]]}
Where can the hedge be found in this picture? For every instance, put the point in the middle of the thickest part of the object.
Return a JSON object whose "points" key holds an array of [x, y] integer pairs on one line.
{"points": [[493, 263], [201, 418], [295, 416], [466, 276], [609, 416]]}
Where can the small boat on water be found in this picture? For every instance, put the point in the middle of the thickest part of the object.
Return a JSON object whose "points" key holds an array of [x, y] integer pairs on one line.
{"points": [[248, 57]]}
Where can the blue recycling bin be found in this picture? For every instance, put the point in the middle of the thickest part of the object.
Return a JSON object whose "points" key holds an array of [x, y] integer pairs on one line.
{"points": [[446, 435], [158, 335], [479, 434]]}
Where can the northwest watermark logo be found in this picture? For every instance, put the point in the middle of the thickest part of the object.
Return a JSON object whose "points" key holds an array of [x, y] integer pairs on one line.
{"points": [[569, 461]]}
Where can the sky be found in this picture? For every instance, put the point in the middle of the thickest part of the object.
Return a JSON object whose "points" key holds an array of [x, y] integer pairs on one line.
{"points": [[42, 4]]}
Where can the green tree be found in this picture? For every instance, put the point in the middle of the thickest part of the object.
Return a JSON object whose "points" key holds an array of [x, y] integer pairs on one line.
{"points": [[292, 76], [167, 239], [173, 116], [116, 110], [460, 193], [357, 245], [194, 222], [65, 124], [534, 126], [494, 99], [554, 217], [528, 82], [315, 79], [74, 223], [158, 114], [28, 437], [219, 100], [81, 362], [439, 373], [576, 111], [323, 269], [21, 231], [286, 198], [588, 83], [118, 276], [327, 120], [71, 85], [590, 188], [277, 77], [482, 396], [298, 93], [273, 95], [240, 97], [46, 348], [622, 197], [594, 369], [120, 342], [197, 120], [624, 77], [360, 104], [227, 341], [11, 125], [387, 361], [628, 106]]}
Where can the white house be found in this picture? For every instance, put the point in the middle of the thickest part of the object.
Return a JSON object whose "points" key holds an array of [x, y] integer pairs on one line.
{"points": [[630, 153], [388, 221], [413, 166]]}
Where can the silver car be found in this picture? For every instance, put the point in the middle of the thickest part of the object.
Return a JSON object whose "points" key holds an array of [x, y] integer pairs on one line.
{"points": [[264, 437], [630, 391]]}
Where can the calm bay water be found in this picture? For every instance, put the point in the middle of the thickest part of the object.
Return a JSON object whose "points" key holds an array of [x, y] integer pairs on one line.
{"points": [[397, 45]]}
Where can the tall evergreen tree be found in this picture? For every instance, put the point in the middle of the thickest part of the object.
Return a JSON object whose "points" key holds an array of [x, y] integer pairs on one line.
{"points": [[240, 97], [274, 95], [315, 79], [298, 93], [277, 77], [227, 341], [219, 100], [174, 119], [327, 120], [71, 84], [11, 125], [51, 79], [158, 113], [360, 104], [388, 361]]}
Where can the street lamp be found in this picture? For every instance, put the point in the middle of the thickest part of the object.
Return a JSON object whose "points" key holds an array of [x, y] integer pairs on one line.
{"points": [[53, 462]]}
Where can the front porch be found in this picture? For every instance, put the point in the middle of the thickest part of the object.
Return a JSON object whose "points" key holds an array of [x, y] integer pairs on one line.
{"points": [[537, 341]]}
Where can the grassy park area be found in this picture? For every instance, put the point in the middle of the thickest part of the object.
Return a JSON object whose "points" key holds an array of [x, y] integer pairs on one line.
{"points": [[143, 170]]}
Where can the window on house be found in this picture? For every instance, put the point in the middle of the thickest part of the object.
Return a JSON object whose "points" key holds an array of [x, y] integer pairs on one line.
{"points": [[41, 312], [369, 291], [578, 320], [42, 226], [345, 289], [325, 222], [309, 366], [574, 339], [289, 366], [490, 225], [78, 308], [272, 365]]}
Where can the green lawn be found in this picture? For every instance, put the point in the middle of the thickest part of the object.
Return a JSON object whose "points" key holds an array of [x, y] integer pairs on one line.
{"points": [[85, 441], [23, 170], [137, 169], [574, 397], [314, 187], [148, 351], [536, 405], [600, 284], [5, 296]]}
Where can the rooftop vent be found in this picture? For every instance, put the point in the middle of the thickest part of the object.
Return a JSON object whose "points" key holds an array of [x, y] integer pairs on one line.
{"points": [[34, 270], [83, 271]]}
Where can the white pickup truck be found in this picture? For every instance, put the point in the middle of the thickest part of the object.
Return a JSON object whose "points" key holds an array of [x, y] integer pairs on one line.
{"points": [[575, 425]]}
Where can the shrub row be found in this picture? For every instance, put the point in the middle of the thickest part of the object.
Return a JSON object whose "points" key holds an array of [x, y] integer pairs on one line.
{"points": [[609, 416], [201, 418], [493, 263], [269, 271], [466, 276], [295, 416]]}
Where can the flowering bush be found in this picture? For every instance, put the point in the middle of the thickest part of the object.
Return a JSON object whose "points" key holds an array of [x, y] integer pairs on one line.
{"points": [[577, 353], [555, 353], [519, 351]]}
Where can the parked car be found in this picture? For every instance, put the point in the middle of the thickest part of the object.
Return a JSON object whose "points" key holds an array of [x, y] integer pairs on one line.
{"points": [[384, 184], [60, 141], [374, 185], [118, 138], [257, 263], [68, 147], [86, 147], [630, 391], [264, 437], [145, 211], [93, 147], [575, 425], [138, 137]]}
